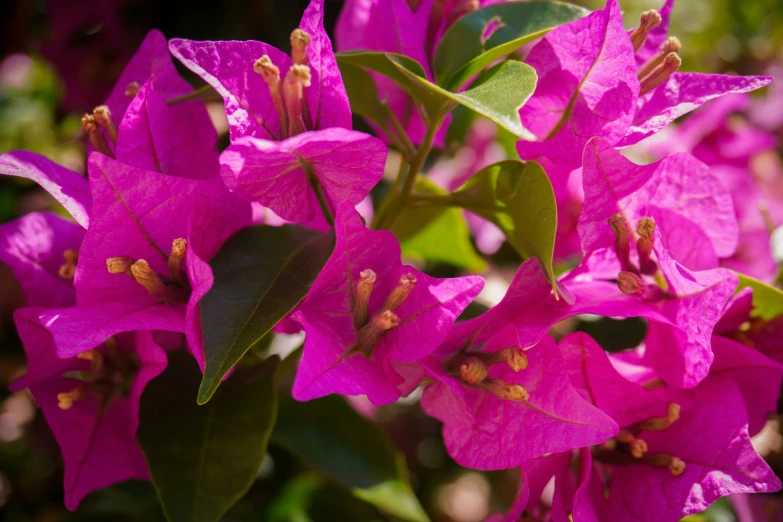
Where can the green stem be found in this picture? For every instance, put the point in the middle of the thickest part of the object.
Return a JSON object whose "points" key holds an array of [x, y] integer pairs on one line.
{"points": [[319, 192], [406, 146], [205, 93], [410, 180]]}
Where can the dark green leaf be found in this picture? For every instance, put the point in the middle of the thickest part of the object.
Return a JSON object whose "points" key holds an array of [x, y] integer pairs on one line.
{"points": [[332, 437], [465, 48], [261, 274], [518, 198], [202, 459], [437, 234], [767, 300], [497, 94], [362, 93]]}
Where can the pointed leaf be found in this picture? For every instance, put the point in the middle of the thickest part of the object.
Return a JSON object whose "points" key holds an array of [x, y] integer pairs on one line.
{"points": [[332, 437], [261, 274], [518, 198], [437, 234], [767, 300], [497, 94], [203, 459], [482, 37]]}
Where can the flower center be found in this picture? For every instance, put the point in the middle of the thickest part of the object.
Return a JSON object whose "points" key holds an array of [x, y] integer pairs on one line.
{"points": [[288, 94], [664, 63], [171, 290], [629, 279], [630, 448], [110, 374], [369, 330], [94, 125], [472, 369], [68, 268]]}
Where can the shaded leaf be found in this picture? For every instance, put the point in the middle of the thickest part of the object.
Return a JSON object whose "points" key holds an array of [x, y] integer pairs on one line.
{"points": [[261, 274], [497, 94], [767, 300], [203, 459], [518, 198], [362, 93], [332, 437], [482, 37], [437, 234]]}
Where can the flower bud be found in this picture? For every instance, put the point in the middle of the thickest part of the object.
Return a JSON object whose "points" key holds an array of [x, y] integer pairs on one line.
{"points": [[644, 246], [149, 279], [91, 128], [473, 371], [369, 335], [671, 45], [296, 79], [132, 89], [271, 75], [632, 284], [65, 400], [661, 423]]}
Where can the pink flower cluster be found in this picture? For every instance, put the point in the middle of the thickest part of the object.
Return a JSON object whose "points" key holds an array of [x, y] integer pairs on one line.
{"points": [[651, 434]]}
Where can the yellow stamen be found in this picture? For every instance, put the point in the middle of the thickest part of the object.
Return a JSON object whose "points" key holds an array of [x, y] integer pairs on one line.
{"points": [[661, 423], [504, 390], [660, 74], [514, 357], [132, 89], [102, 116], [405, 285], [648, 20], [92, 130], [65, 400], [150, 280], [119, 264], [299, 41], [622, 245], [68, 268], [95, 357], [369, 335], [644, 245], [671, 45], [296, 79], [271, 75], [174, 263], [364, 290]]}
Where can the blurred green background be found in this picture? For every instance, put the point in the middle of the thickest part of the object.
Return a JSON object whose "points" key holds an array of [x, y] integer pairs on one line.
{"points": [[60, 58]]}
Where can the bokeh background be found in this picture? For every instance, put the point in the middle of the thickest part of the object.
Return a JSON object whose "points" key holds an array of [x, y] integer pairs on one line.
{"points": [[60, 58]]}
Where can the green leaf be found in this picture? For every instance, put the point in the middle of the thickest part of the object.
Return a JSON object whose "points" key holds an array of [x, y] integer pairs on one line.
{"points": [[465, 48], [437, 234], [261, 274], [497, 94], [362, 93], [203, 459], [767, 300], [333, 438], [518, 198]]}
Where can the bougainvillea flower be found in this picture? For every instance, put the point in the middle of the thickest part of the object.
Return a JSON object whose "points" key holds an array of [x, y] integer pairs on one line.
{"points": [[41, 250], [294, 115], [134, 269], [346, 163], [604, 92], [69, 188], [367, 311], [745, 160], [662, 449], [691, 209], [138, 126], [91, 402], [509, 401]]}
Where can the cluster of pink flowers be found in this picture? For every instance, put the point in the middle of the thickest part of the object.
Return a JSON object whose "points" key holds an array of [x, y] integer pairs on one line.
{"points": [[650, 434]]}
